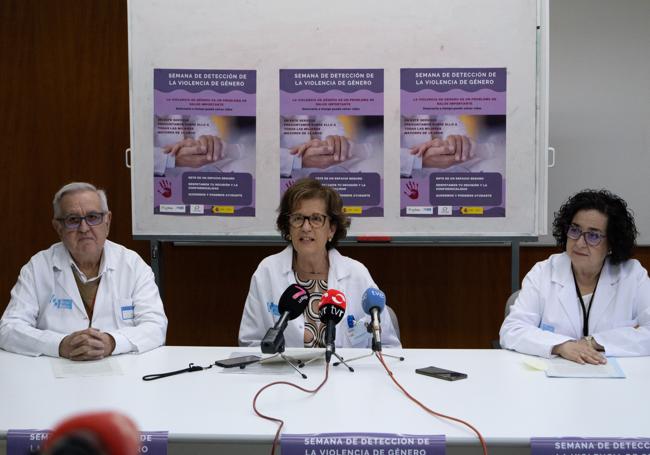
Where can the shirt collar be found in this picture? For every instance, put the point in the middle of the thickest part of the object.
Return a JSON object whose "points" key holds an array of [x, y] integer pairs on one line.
{"points": [[82, 276], [63, 259]]}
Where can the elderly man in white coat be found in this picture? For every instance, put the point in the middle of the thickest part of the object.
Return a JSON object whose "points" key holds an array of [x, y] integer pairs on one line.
{"points": [[84, 298]]}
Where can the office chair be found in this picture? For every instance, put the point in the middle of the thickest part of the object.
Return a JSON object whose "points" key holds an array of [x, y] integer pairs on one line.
{"points": [[506, 311]]}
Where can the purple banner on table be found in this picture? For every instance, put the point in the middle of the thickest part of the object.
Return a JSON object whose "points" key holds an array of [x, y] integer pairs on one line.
{"points": [[217, 188], [23, 442], [362, 444], [154, 442], [589, 446], [355, 189], [28, 442], [473, 189]]}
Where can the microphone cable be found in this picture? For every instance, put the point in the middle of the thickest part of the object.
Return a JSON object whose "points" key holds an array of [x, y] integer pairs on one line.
{"points": [[280, 421], [427, 409]]}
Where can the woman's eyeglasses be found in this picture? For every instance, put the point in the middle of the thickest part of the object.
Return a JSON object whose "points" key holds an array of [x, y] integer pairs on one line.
{"points": [[74, 221], [316, 220], [593, 238]]}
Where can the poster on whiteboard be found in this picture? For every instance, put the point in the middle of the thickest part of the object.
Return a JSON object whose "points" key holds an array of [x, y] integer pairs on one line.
{"points": [[204, 142], [453, 142], [332, 129]]}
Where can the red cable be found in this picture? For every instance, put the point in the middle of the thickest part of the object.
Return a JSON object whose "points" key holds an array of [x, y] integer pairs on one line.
{"points": [[431, 411], [280, 421]]}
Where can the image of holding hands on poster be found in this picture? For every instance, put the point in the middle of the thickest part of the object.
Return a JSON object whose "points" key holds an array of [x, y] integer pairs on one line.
{"points": [[468, 143], [198, 142], [342, 143], [453, 142]]}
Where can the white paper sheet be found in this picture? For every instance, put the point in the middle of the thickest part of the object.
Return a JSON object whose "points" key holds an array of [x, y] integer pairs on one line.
{"points": [[64, 368], [563, 368]]}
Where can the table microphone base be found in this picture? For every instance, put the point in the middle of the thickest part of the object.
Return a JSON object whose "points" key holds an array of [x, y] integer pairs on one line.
{"points": [[341, 361], [293, 363], [370, 354], [335, 363]]}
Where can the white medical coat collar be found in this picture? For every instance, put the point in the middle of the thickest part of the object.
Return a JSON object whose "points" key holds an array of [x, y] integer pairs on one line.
{"points": [[337, 270], [63, 259], [562, 275]]}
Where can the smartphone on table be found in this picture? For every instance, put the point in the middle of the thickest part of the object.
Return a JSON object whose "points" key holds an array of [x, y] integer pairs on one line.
{"points": [[441, 373], [240, 362]]}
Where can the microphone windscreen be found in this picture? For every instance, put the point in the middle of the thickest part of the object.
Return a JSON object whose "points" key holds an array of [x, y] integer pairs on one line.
{"points": [[294, 299], [332, 306], [373, 298], [115, 433]]}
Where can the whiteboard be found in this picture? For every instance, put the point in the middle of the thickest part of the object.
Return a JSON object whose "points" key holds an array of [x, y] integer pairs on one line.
{"points": [[267, 36]]}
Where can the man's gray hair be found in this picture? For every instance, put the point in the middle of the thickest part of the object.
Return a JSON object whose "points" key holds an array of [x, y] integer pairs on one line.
{"points": [[73, 188]]}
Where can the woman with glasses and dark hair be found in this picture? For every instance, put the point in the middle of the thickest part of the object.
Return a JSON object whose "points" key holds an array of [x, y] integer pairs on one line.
{"points": [[312, 221], [592, 300]]}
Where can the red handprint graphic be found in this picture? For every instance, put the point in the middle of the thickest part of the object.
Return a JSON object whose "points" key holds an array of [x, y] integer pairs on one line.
{"points": [[411, 190], [165, 188]]}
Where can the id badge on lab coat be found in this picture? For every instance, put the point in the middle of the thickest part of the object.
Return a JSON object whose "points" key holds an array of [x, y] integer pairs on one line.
{"points": [[127, 312], [357, 332]]}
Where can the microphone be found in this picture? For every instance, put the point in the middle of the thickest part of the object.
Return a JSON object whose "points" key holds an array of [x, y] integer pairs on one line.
{"points": [[330, 311], [292, 304], [373, 303], [108, 433]]}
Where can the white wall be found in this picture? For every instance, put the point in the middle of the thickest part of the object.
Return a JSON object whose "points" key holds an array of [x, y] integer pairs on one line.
{"points": [[600, 102]]}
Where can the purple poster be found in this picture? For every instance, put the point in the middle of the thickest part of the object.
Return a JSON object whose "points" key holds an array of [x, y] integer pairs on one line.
{"points": [[28, 442], [360, 443], [453, 142], [590, 446], [332, 129], [204, 142]]}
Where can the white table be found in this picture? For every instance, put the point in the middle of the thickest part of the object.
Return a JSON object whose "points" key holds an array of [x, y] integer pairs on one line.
{"points": [[506, 400]]}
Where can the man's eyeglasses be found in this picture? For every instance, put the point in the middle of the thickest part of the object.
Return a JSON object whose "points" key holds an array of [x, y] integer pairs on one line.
{"points": [[74, 221], [316, 220], [593, 238]]}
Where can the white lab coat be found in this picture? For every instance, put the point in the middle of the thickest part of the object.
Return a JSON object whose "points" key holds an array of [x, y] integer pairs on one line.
{"points": [[274, 275], [46, 305], [547, 311]]}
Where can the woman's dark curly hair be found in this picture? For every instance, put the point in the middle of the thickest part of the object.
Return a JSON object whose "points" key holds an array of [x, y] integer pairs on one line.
{"points": [[621, 230], [309, 188]]}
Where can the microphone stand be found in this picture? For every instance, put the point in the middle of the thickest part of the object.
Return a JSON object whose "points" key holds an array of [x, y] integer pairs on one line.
{"points": [[279, 348], [341, 361], [376, 347]]}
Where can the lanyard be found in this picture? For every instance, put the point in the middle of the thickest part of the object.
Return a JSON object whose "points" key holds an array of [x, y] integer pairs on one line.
{"points": [[585, 311], [190, 369]]}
